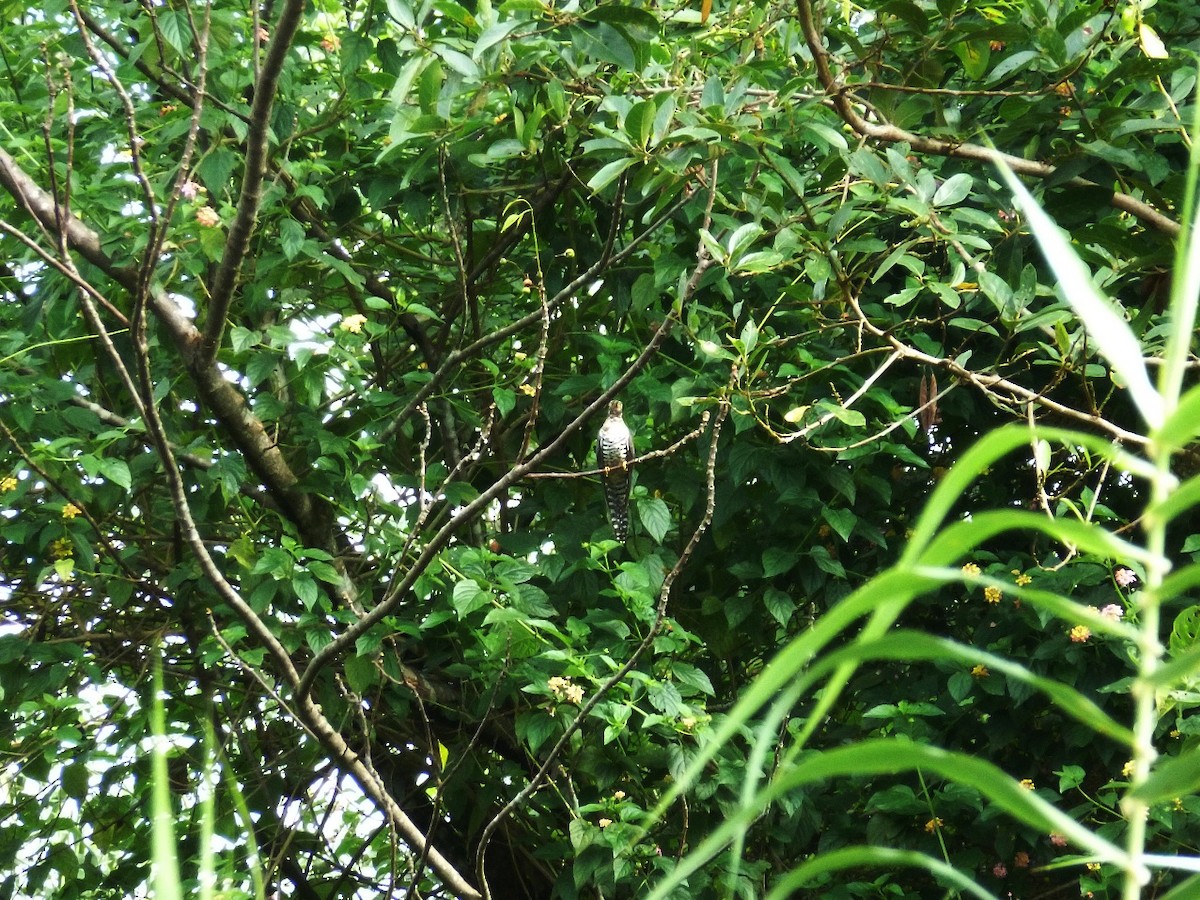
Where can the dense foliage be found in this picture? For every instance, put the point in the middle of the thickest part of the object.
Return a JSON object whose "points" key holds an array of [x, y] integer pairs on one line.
{"points": [[309, 314]]}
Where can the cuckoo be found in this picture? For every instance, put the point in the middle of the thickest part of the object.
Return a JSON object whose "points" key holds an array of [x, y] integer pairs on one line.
{"points": [[614, 451]]}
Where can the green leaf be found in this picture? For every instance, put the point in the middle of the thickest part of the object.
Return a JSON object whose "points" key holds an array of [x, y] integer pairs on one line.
{"points": [[818, 868], [777, 560], [1012, 63], [116, 471], [75, 778], [306, 589], [324, 571], [960, 685], [953, 190], [505, 399], [468, 597], [779, 605], [535, 729], [242, 338], [174, 29], [361, 673], [826, 563], [749, 337], [1171, 778], [975, 56], [743, 238], [639, 123], [841, 521], [291, 237], [608, 174], [713, 95], [851, 417], [692, 677], [457, 61], [621, 14], [1184, 422], [655, 517], [406, 79], [1104, 320], [664, 696], [493, 35], [997, 290]]}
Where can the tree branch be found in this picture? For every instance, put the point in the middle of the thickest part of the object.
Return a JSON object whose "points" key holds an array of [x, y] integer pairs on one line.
{"points": [[991, 384], [843, 101], [346, 639], [260, 450], [257, 145], [457, 357]]}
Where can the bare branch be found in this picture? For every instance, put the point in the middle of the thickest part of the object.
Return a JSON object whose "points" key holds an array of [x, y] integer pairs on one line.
{"points": [[996, 386]]}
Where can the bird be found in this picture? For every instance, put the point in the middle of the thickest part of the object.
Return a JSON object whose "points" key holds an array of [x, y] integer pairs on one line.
{"points": [[614, 452]]}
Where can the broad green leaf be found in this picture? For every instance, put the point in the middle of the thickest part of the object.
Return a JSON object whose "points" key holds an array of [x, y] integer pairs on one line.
{"points": [[693, 678], [360, 673], [493, 35], [609, 173], [117, 471], [639, 123], [713, 95], [953, 190], [306, 589], [741, 239], [655, 517], [841, 520], [405, 80], [779, 605], [291, 237], [776, 561], [468, 597], [664, 696]]}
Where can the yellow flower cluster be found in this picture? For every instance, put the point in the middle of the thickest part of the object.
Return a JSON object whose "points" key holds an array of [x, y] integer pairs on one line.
{"points": [[353, 324], [565, 689]]}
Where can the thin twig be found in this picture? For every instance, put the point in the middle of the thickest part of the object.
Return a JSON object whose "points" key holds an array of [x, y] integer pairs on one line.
{"points": [[653, 454]]}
